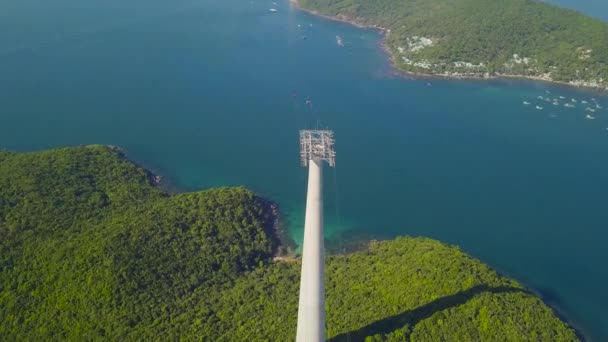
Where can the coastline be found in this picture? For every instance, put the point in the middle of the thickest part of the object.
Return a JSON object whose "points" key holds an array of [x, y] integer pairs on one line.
{"points": [[283, 246], [339, 18], [418, 75]]}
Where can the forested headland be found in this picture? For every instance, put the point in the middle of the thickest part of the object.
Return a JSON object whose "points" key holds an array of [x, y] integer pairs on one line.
{"points": [[90, 249], [484, 38]]}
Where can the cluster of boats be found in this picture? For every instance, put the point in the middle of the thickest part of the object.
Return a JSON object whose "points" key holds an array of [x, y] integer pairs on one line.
{"points": [[591, 106]]}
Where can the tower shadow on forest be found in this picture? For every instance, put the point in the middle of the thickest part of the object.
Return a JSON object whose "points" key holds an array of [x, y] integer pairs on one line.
{"points": [[412, 317]]}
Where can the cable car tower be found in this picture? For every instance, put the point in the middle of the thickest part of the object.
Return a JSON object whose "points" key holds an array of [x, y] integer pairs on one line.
{"points": [[316, 146]]}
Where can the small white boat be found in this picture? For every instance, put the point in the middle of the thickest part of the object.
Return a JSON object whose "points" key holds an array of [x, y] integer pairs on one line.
{"points": [[569, 105], [539, 107], [339, 41], [561, 97], [589, 117], [556, 103], [273, 10], [573, 100], [526, 103], [584, 102]]}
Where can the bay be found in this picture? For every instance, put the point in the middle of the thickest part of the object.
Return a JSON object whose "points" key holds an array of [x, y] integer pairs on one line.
{"points": [[213, 93]]}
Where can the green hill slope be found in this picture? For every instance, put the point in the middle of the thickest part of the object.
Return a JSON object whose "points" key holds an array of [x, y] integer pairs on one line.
{"points": [[90, 249], [485, 38]]}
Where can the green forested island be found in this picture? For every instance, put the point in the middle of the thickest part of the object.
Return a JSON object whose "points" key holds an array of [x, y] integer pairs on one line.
{"points": [[484, 38], [91, 249]]}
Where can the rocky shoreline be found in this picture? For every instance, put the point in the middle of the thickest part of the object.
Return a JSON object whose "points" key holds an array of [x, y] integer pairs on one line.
{"points": [[283, 246], [392, 55], [153, 178]]}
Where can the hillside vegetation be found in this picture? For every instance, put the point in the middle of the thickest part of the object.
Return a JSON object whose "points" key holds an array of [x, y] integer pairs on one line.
{"points": [[91, 250], [485, 38]]}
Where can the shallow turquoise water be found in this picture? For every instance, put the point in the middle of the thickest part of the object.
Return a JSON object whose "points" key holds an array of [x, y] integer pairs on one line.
{"points": [[213, 93]]}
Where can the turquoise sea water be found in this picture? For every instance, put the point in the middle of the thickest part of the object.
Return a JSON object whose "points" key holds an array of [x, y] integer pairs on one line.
{"points": [[211, 93]]}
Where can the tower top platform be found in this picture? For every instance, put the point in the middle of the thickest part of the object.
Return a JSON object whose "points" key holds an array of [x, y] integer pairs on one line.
{"points": [[317, 145]]}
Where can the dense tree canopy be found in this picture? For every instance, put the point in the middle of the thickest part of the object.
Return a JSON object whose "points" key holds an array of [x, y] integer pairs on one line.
{"points": [[90, 249], [557, 43]]}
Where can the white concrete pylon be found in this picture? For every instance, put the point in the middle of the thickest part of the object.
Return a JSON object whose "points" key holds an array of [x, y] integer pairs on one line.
{"points": [[311, 309]]}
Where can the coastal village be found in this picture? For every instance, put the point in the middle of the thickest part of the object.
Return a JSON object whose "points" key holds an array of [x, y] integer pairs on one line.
{"points": [[409, 57]]}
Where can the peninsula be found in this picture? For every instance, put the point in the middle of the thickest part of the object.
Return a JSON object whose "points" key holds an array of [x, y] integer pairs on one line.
{"points": [[92, 249], [483, 38]]}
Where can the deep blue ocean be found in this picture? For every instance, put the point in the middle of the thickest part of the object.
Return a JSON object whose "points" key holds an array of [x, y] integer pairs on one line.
{"points": [[213, 93]]}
